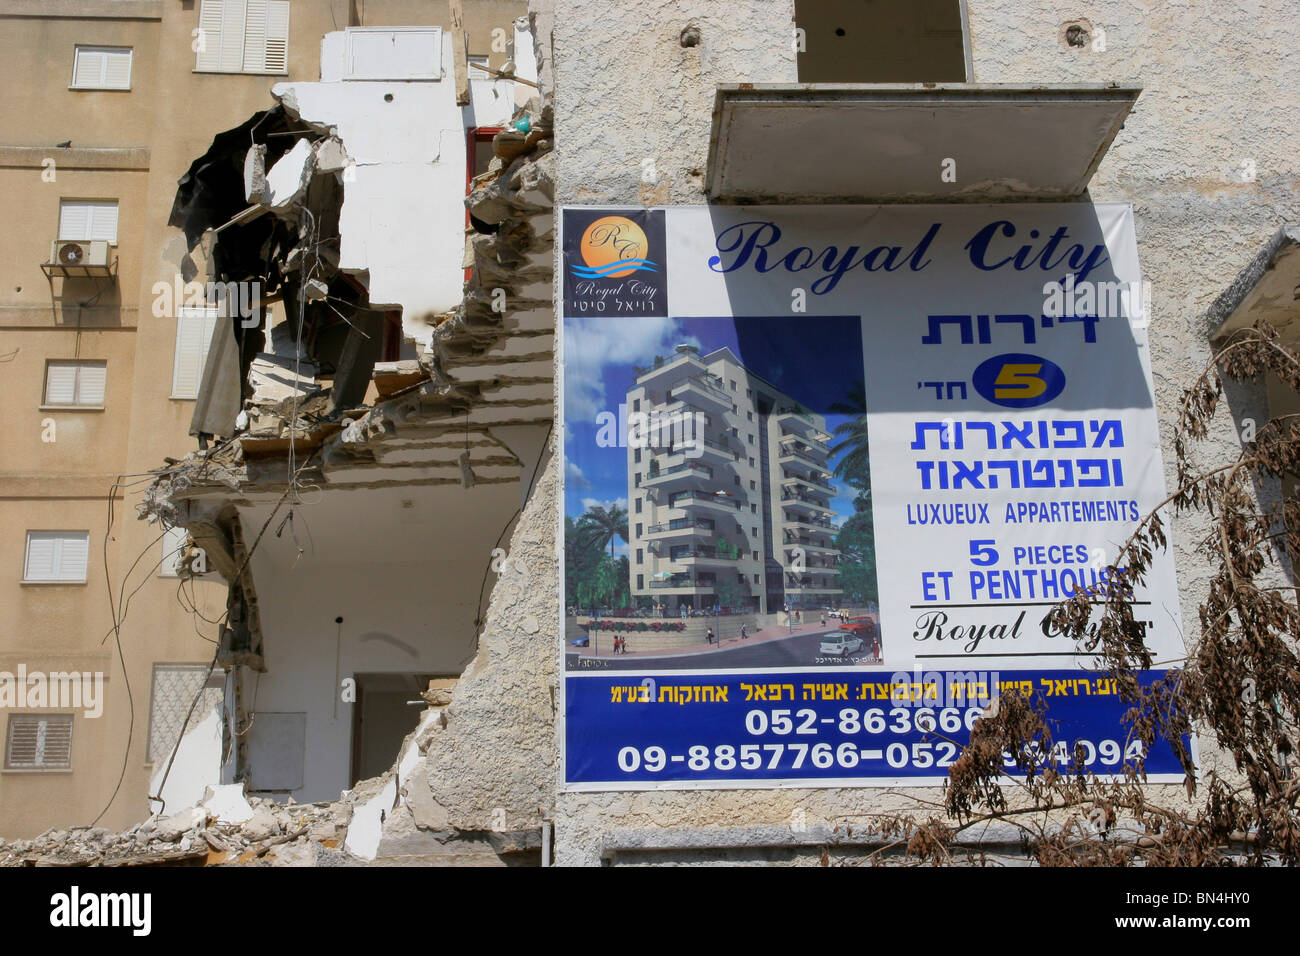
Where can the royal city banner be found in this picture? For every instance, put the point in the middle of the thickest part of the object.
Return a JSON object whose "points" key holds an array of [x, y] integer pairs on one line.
{"points": [[827, 470]]}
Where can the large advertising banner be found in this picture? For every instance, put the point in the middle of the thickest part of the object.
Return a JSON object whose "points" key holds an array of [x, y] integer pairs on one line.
{"points": [[827, 469]]}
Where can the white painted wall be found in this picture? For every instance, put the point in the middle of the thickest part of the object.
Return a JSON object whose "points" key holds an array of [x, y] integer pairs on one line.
{"points": [[197, 765], [403, 215], [409, 573]]}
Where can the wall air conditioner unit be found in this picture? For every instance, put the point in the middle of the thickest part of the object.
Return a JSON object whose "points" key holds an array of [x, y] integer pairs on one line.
{"points": [[70, 252]]}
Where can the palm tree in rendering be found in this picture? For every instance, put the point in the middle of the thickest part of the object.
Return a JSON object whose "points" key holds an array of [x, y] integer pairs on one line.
{"points": [[852, 437], [601, 526]]}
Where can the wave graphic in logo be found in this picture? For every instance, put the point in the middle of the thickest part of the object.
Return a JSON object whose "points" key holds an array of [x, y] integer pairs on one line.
{"points": [[613, 247], [621, 268]]}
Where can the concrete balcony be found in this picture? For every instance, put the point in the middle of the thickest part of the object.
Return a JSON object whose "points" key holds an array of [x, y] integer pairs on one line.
{"points": [[682, 586], [807, 485], [804, 444], [691, 500], [800, 424], [680, 528], [687, 475], [804, 523], [791, 458], [803, 504], [809, 547], [705, 557], [703, 393]]}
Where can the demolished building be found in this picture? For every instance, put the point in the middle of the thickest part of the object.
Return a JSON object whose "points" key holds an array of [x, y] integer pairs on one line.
{"points": [[368, 410], [334, 492]]}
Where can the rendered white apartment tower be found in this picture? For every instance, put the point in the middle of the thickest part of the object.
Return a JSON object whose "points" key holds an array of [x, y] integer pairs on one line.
{"points": [[738, 516]]}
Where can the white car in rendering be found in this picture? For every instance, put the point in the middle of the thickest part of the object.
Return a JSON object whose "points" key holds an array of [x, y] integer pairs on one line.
{"points": [[840, 645]]}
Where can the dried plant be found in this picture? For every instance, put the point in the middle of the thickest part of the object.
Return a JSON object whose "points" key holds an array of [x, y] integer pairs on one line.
{"points": [[1238, 687]]}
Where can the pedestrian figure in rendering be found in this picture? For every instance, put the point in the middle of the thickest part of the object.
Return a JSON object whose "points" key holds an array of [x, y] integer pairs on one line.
{"points": [[823, 618], [744, 632], [682, 608], [797, 618], [708, 636]]}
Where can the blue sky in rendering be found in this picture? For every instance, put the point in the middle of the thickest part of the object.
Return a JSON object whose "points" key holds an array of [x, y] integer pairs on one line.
{"points": [[815, 360]]}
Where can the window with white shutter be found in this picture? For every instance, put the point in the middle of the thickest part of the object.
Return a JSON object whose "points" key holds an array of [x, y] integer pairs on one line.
{"points": [[243, 36], [56, 556], [82, 220], [102, 68], [193, 336], [75, 384], [39, 742]]}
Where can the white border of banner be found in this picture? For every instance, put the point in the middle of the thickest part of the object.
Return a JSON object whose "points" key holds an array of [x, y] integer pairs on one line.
{"points": [[818, 783]]}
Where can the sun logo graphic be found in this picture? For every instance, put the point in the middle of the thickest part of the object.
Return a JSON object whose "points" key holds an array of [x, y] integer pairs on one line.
{"points": [[613, 247]]}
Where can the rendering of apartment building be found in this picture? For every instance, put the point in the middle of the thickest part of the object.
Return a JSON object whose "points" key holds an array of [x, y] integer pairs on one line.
{"points": [[738, 515]]}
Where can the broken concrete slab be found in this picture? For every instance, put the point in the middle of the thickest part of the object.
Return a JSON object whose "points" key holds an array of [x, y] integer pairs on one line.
{"points": [[286, 181], [226, 803]]}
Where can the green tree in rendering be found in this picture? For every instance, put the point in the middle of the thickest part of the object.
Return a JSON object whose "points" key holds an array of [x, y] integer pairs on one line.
{"points": [[856, 540], [604, 525]]}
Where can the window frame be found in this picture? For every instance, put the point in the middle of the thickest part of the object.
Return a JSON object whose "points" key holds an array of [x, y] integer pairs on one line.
{"points": [[64, 718], [79, 48], [117, 224], [197, 313], [243, 41], [79, 364], [64, 533]]}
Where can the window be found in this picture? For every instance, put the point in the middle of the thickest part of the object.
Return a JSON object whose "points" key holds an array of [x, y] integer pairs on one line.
{"points": [[394, 53], [101, 68], [636, 480], [636, 404], [636, 456], [847, 41], [733, 386], [755, 555], [243, 36], [56, 556], [751, 415], [756, 579], [39, 742], [751, 463], [75, 384], [639, 558], [193, 336], [174, 688], [755, 532], [751, 439], [87, 220], [753, 509], [752, 486], [638, 506], [638, 529]]}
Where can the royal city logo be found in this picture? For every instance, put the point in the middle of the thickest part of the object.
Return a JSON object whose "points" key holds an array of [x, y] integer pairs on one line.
{"points": [[614, 262], [613, 247]]}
